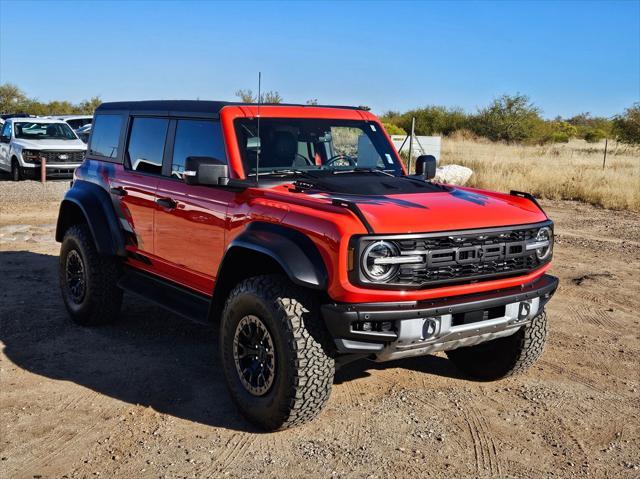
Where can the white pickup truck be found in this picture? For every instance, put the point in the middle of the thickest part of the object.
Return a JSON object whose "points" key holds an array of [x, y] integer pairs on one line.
{"points": [[24, 142]]}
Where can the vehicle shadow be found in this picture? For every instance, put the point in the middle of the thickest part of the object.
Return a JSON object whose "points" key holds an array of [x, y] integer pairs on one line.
{"points": [[434, 365], [149, 356]]}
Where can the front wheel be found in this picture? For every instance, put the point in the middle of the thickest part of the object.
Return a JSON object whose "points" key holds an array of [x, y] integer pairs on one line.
{"points": [[503, 356], [274, 352], [16, 174]]}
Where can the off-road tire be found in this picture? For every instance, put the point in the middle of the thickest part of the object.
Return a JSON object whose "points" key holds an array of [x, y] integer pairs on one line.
{"points": [[304, 369], [503, 357], [102, 298], [16, 174]]}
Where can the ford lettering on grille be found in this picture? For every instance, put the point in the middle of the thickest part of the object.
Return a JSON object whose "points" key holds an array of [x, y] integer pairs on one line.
{"points": [[473, 254]]}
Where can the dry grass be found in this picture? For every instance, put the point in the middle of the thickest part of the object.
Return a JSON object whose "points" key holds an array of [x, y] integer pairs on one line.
{"points": [[571, 171]]}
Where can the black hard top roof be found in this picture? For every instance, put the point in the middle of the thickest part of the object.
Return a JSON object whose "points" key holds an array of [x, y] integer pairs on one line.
{"points": [[191, 106]]}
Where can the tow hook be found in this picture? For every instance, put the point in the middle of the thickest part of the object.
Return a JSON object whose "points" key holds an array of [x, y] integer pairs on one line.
{"points": [[524, 310]]}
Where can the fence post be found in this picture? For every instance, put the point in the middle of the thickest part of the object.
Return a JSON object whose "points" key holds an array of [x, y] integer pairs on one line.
{"points": [[43, 170], [413, 131], [604, 162]]}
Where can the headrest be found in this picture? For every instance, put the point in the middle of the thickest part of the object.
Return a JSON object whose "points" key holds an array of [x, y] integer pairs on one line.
{"points": [[285, 146]]}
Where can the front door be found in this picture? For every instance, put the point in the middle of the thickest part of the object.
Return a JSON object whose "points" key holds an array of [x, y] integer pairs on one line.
{"points": [[190, 221], [5, 163]]}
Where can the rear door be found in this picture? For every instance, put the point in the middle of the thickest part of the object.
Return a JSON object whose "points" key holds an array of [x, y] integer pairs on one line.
{"points": [[136, 186], [190, 220]]}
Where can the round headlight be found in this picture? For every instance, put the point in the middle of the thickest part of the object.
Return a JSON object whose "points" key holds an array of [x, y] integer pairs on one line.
{"points": [[379, 270], [545, 235]]}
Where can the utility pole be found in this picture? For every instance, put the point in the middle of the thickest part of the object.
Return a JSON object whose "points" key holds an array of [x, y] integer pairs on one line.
{"points": [[604, 162]]}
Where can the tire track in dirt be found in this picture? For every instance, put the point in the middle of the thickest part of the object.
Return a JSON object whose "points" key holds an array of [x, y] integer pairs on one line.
{"points": [[486, 456], [561, 371], [592, 295], [30, 450], [598, 317], [355, 426], [237, 444], [59, 444]]}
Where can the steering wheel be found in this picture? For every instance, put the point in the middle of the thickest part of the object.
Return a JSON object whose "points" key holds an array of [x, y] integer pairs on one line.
{"points": [[339, 157]]}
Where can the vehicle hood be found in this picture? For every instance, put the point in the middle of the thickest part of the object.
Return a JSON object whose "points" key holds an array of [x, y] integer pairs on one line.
{"points": [[445, 208], [50, 144], [456, 209]]}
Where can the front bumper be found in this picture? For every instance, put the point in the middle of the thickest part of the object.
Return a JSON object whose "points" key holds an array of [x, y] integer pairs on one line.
{"points": [[54, 170], [388, 331]]}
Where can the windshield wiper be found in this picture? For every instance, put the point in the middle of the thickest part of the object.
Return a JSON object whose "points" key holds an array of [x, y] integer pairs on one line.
{"points": [[285, 172], [363, 170]]}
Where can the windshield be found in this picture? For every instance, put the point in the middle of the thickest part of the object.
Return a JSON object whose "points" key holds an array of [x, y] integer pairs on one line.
{"points": [[314, 144], [44, 131]]}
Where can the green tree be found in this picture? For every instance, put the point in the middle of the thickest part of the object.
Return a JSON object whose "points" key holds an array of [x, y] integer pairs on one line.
{"points": [[11, 98], [510, 118], [627, 125], [88, 106]]}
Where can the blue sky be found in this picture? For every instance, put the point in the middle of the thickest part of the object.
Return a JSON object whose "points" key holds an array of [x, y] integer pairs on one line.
{"points": [[569, 57]]}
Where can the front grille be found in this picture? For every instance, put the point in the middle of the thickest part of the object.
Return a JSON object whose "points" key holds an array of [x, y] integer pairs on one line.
{"points": [[458, 257], [54, 156]]}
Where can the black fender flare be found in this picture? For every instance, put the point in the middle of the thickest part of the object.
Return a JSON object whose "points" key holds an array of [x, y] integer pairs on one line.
{"points": [[99, 214], [296, 254]]}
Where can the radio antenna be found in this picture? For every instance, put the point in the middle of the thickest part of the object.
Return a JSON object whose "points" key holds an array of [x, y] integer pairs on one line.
{"points": [[259, 142]]}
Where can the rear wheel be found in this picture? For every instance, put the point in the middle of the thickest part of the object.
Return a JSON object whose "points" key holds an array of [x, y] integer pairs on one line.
{"points": [[16, 174], [274, 352], [503, 356], [88, 280]]}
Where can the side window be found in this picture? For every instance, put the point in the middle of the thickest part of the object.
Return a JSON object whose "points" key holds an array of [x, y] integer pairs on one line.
{"points": [[146, 144], [106, 136], [6, 130], [196, 138]]}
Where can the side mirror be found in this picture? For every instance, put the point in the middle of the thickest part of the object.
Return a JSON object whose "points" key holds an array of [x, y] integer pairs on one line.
{"points": [[204, 170], [5, 139], [426, 166]]}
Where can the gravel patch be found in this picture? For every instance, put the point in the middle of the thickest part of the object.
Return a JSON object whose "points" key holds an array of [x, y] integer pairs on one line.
{"points": [[29, 190]]}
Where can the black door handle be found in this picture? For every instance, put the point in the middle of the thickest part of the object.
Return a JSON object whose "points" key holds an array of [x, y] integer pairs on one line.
{"points": [[167, 203], [118, 191]]}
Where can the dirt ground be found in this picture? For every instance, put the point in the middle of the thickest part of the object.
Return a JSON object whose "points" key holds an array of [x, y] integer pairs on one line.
{"points": [[146, 398]]}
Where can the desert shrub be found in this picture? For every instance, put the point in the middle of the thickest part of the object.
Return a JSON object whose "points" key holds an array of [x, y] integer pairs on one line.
{"points": [[465, 134], [627, 125], [553, 131], [247, 96], [594, 135], [510, 118], [585, 124], [392, 128], [559, 137], [430, 120]]}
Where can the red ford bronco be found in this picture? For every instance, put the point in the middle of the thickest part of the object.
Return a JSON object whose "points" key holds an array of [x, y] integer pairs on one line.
{"points": [[299, 231]]}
